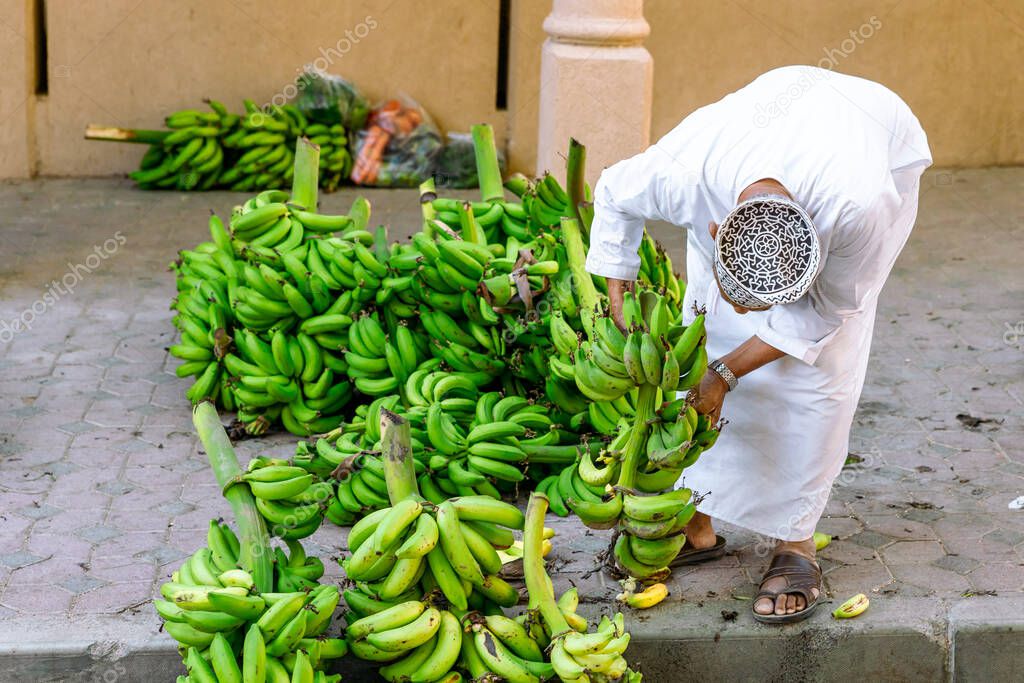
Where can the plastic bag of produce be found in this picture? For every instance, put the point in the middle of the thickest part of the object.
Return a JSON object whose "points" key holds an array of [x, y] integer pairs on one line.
{"points": [[398, 147], [456, 164], [329, 99]]}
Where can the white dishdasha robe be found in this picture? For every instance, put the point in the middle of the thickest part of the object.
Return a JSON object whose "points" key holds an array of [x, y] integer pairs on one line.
{"points": [[851, 153]]}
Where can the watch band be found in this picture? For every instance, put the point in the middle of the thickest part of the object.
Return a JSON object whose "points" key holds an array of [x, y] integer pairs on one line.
{"points": [[724, 372]]}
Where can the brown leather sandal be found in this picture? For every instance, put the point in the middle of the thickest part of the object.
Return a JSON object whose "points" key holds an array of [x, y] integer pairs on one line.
{"points": [[801, 575]]}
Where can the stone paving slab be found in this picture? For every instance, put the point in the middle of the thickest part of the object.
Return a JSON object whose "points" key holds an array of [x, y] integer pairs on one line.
{"points": [[103, 489]]}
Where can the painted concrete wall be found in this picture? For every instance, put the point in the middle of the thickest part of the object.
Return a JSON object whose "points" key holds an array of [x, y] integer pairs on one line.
{"points": [[17, 102], [123, 62], [127, 63], [956, 63]]}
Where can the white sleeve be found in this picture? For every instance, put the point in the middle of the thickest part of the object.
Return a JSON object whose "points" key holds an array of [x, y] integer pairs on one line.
{"points": [[647, 186]]}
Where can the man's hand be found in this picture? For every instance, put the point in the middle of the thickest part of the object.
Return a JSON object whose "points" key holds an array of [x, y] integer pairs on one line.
{"points": [[616, 290], [708, 396]]}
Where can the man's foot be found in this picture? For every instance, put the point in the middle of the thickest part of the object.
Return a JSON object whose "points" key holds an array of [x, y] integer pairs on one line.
{"points": [[702, 544], [784, 603], [699, 532]]}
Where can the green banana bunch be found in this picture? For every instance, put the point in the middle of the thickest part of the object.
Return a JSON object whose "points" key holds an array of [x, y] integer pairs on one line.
{"points": [[228, 632], [549, 639], [262, 321], [418, 567], [335, 159], [626, 374], [204, 318], [202, 150], [514, 648], [546, 202], [679, 437], [656, 272], [288, 498], [652, 532], [451, 547], [191, 155]]}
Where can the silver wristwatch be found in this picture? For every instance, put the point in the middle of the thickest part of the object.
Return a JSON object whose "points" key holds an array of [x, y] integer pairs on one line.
{"points": [[724, 372]]}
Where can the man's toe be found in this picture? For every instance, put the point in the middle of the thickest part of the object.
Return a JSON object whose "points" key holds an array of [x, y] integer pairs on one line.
{"points": [[780, 604], [796, 603], [764, 606]]}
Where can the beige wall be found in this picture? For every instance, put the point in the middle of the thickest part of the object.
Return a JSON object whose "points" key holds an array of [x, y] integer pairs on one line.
{"points": [[956, 63], [16, 88], [127, 63]]}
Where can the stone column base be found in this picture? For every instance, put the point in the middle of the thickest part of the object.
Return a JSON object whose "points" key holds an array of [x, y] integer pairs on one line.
{"points": [[598, 94]]}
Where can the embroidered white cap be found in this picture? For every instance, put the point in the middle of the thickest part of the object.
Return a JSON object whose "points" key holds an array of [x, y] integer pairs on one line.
{"points": [[767, 252]]}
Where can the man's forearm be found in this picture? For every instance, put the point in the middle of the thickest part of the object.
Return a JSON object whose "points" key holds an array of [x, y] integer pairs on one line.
{"points": [[750, 355]]}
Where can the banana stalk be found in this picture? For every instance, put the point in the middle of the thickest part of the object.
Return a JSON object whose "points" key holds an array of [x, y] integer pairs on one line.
{"points": [[640, 430], [574, 171], [306, 174], [428, 193], [396, 448], [255, 554], [471, 230], [113, 134], [487, 169], [538, 584], [576, 254]]}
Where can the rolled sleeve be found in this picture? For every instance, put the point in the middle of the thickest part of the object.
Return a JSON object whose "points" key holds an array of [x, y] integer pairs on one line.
{"points": [[614, 247]]}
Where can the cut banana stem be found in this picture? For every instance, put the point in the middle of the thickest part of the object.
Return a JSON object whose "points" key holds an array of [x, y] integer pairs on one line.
{"points": [[255, 556]]}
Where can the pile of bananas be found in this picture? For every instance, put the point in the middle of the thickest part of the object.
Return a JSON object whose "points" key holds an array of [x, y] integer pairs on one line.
{"points": [[284, 312], [229, 632], [204, 150], [464, 444], [428, 601]]}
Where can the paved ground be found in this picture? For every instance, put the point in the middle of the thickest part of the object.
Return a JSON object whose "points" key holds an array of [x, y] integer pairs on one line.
{"points": [[102, 491]]}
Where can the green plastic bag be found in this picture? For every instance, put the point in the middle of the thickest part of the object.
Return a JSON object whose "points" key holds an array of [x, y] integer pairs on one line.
{"points": [[330, 99]]}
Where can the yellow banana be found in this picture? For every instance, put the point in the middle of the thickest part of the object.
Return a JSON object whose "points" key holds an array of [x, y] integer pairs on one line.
{"points": [[853, 607], [649, 597]]}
